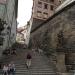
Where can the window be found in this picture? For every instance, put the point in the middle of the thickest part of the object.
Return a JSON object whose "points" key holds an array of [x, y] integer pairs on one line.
{"points": [[45, 15], [45, 6], [60, 1], [39, 13], [51, 0], [51, 7], [45, 0], [39, 4]]}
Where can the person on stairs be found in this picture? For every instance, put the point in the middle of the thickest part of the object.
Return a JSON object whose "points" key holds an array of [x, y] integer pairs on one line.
{"points": [[5, 69], [12, 68], [28, 62]]}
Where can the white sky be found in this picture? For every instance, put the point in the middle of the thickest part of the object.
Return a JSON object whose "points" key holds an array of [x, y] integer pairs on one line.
{"points": [[24, 12]]}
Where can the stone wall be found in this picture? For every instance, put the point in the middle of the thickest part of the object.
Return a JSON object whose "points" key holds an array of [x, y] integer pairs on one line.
{"points": [[64, 21], [47, 32], [36, 22]]}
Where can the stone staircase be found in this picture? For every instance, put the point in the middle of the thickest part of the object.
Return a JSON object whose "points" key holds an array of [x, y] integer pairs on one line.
{"points": [[40, 64]]}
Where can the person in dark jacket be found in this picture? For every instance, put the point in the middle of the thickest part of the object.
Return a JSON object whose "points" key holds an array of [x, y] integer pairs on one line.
{"points": [[28, 62]]}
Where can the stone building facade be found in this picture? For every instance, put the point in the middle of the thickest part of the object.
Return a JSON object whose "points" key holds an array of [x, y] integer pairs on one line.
{"points": [[43, 9], [58, 32], [8, 13]]}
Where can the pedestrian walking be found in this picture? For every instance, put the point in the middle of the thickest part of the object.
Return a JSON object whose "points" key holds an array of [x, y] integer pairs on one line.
{"points": [[28, 62], [5, 69]]}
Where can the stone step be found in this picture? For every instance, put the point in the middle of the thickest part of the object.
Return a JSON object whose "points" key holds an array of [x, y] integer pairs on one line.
{"points": [[33, 69], [31, 73], [34, 72], [32, 65], [40, 65]]}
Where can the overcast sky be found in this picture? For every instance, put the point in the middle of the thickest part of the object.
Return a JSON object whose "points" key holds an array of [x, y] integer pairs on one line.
{"points": [[24, 12]]}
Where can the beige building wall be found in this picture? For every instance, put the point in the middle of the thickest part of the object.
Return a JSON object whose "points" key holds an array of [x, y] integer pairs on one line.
{"points": [[43, 9]]}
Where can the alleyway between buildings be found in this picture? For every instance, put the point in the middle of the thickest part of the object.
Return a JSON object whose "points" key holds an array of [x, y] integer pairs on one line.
{"points": [[40, 63]]}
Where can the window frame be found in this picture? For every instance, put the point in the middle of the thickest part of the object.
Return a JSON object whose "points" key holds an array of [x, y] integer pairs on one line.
{"points": [[40, 4], [45, 6], [51, 7]]}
